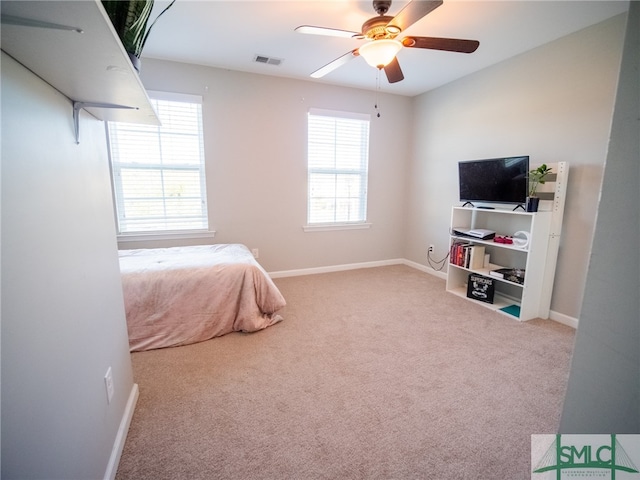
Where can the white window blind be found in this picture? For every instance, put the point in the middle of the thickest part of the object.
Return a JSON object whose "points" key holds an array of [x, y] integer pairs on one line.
{"points": [[338, 159], [158, 171]]}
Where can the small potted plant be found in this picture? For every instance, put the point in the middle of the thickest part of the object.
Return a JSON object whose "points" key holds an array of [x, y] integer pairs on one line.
{"points": [[536, 177], [129, 19]]}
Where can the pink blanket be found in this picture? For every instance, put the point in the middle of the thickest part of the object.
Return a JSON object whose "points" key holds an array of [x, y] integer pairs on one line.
{"points": [[182, 295]]}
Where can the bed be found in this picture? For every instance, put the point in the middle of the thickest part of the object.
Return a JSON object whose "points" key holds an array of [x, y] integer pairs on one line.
{"points": [[182, 295]]}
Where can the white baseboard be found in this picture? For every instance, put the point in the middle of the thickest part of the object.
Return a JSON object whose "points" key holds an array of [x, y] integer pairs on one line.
{"points": [[354, 266], [564, 319], [335, 268], [425, 269], [118, 445], [558, 317]]}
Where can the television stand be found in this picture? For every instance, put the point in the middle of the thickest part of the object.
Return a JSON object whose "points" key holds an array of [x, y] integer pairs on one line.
{"points": [[519, 206], [521, 301]]}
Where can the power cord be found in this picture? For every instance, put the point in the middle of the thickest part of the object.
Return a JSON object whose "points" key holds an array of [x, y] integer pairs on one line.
{"points": [[439, 264]]}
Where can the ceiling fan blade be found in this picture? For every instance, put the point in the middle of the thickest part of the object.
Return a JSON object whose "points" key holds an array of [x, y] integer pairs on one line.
{"points": [[338, 62], [330, 32], [447, 44], [393, 71], [413, 12]]}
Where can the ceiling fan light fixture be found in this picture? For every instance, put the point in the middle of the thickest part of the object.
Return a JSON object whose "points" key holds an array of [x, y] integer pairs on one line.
{"points": [[393, 30], [379, 53]]}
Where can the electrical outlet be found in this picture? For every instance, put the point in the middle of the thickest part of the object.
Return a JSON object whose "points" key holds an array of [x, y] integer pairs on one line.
{"points": [[255, 252], [431, 248], [108, 383]]}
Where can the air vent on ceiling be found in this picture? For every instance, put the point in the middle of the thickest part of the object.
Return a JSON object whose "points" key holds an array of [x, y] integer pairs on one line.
{"points": [[267, 60]]}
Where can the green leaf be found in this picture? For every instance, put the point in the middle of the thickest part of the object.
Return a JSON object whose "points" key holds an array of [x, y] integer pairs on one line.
{"points": [[129, 19]]}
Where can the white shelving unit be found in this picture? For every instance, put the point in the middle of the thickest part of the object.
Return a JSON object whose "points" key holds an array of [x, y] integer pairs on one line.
{"points": [[532, 258], [538, 258], [73, 47]]}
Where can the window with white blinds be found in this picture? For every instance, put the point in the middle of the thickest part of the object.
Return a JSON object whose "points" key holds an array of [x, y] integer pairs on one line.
{"points": [[158, 171], [338, 159]]}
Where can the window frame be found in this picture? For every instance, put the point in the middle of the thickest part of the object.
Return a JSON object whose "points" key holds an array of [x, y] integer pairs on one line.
{"points": [[362, 171], [160, 234]]}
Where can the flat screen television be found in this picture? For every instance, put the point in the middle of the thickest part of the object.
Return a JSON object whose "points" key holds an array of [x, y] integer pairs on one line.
{"points": [[494, 180]]}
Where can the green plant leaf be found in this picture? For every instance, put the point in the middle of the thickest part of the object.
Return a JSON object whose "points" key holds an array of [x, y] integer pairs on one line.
{"points": [[137, 18], [537, 177], [144, 40], [130, 19]]}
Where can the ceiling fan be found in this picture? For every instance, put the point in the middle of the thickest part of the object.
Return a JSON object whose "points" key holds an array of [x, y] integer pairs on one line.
{"points": [[381, 32]]}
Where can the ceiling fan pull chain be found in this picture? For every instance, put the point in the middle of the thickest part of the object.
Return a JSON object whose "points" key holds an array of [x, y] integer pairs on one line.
{"points": [[377, 91]]}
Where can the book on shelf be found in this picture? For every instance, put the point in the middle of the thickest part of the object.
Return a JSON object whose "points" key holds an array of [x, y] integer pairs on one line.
{"points": [[515, 275], [480, 288], [467, 255], [476, 257], [457, 252]]}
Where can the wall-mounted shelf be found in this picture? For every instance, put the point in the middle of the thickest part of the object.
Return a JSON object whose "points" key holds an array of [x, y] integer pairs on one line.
{"points": [[90, 68]]}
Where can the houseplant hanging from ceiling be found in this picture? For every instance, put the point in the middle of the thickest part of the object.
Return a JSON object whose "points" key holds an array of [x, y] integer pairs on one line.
{"points": [[130, 18]]}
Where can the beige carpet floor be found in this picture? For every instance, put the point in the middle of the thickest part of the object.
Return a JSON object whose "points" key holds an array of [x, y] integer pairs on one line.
{"points": [[374, 374]]}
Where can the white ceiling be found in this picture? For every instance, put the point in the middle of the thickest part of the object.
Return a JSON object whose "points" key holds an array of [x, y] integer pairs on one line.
{"points": [[229, 34]]}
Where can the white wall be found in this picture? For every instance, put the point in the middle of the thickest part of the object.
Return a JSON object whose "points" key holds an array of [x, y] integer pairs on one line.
{"points": [[607, 349], [63, 319], [553, 103], [255, 148]]}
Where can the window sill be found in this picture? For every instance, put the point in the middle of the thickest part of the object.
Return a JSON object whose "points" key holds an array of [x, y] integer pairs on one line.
{"points": [[143, 237], [326, 227]]}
